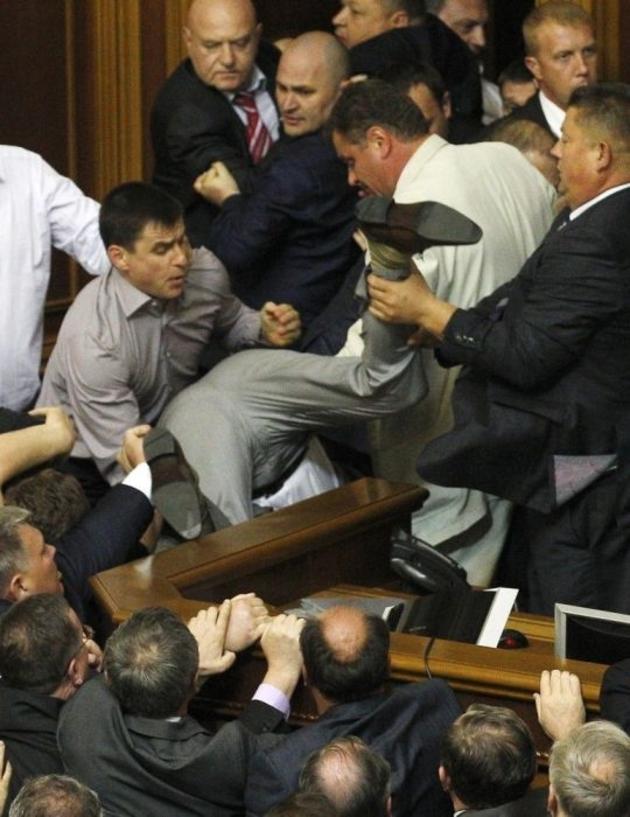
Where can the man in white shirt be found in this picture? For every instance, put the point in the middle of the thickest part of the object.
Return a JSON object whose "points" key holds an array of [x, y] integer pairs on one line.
{"points": [[562, 55], [38, 208]]}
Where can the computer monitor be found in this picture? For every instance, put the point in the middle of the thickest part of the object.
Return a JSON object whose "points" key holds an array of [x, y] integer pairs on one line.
{"points": [[585, 634]]}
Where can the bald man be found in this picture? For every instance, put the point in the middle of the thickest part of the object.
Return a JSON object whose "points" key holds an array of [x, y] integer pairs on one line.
{"points": [[346, 664], [216, 106], [289, 239]]}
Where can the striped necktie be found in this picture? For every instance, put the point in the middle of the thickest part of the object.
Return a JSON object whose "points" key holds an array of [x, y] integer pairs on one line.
{"points": [[258, 137]]}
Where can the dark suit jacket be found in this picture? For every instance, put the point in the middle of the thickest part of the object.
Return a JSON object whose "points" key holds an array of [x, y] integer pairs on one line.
{"points": [[532, 111], [105, 537], [533, 804], [614, 698], [547, 365], [149, 766], [193, 125], [406, 727], [290, 239], [28, 726], [430, 42]]}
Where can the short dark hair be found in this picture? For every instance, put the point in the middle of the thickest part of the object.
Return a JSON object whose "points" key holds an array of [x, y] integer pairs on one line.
{"points": [[128, 208], [434, 6], [354, 778], [590, 771], [362, 105], [404, 79], [605, 108], [346, 680], [415, 8], [489, 755], [56, 501], [516, 72], [55, 795], [151, 662], [303, 804], [37, 642]]}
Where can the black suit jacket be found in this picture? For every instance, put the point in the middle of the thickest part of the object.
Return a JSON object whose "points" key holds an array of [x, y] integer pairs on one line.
{"points": [[547, 371], [193, 125], [290, 239], [106, 536], [614, 698], [405, 727], [149, 766], [28, 726], [532, 111], [533, 804]]}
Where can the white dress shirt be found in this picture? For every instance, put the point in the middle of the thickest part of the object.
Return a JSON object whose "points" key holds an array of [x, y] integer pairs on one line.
{"points": [[38, 208]]}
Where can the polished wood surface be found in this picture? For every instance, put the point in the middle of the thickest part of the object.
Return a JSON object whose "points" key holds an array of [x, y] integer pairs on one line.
{"points": [[337, 543]]}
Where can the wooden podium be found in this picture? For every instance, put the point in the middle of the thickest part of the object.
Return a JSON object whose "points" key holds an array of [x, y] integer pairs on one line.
{"points": [[339, 540]]}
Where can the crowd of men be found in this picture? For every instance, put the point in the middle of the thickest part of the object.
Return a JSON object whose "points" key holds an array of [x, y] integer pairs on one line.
{"points": [[358, 230]]}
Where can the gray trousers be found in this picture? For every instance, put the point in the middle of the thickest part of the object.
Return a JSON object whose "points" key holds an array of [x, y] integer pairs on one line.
{"points": [[245, 423]]}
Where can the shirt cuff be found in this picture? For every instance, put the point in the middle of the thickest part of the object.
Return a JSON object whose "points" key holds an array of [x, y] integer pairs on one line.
{"points": [[140, 479], [268, 694]]}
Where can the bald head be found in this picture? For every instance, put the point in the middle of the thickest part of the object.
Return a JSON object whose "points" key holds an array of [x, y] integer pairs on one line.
{"points": [[346, 653], [308, 81], [222, 40]]}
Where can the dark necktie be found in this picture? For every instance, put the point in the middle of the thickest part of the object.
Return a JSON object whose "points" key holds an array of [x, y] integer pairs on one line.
{"points": [[258, 137]]}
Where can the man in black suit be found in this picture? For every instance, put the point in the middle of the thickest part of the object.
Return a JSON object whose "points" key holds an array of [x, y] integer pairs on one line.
{"points": [[289, 240], [488, 763], [204, 112], [44, 659], [129, 737], [541, 411], [562, 55], [346, 664]]}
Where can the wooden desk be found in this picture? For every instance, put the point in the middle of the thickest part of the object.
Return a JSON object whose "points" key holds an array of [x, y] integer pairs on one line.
{"points": [[332, 540]]}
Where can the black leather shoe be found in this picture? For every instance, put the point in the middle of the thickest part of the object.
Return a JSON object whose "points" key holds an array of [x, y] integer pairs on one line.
{"points": [[411, 228], [175, 493]]}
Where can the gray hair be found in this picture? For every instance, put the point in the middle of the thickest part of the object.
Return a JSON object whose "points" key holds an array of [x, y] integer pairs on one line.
{"points": [[590, 771], [55, 795], [12, 557]]}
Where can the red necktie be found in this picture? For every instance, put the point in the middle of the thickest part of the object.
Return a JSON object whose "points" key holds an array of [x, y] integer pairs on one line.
{"points": [[258, 137]]}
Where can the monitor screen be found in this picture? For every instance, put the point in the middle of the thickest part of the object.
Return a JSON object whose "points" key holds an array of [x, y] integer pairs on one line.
{"points": [[585, 634]]}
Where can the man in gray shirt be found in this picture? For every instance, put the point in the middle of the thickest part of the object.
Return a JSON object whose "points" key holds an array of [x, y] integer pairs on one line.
{"points": [[133, 338]]}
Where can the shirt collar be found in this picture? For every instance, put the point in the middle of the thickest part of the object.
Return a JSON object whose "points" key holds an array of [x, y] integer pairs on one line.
{"points": [[553, 114], [423, 154], [131, 298], [258, 82], [588, 204]]}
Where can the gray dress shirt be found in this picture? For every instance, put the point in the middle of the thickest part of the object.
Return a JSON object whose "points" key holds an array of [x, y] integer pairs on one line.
{"points": [[121, 355]]}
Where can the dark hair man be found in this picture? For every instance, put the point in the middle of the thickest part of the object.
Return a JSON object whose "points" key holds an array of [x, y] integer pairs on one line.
{"points": [[517, 86], [159, 301], [555, 339], [346, 665], [426, 88], [216, 106], [44, 659], [289, 239], [55, 795], [129, 736], [489, 760], [589, 773], [353, 777], [561, 53]]}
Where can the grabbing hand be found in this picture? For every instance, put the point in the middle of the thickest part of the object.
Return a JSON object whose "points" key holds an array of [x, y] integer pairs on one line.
{"points": [[248, 619], [60, 426], [209, 628], [132, 451], [216, 184], [559, 703], [280, 324], [281, 645]]}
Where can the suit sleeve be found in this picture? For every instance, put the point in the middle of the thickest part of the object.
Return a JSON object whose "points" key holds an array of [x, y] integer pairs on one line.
{"points": [[573, 289], [614, 697], [249, 226], [105, 537]]}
